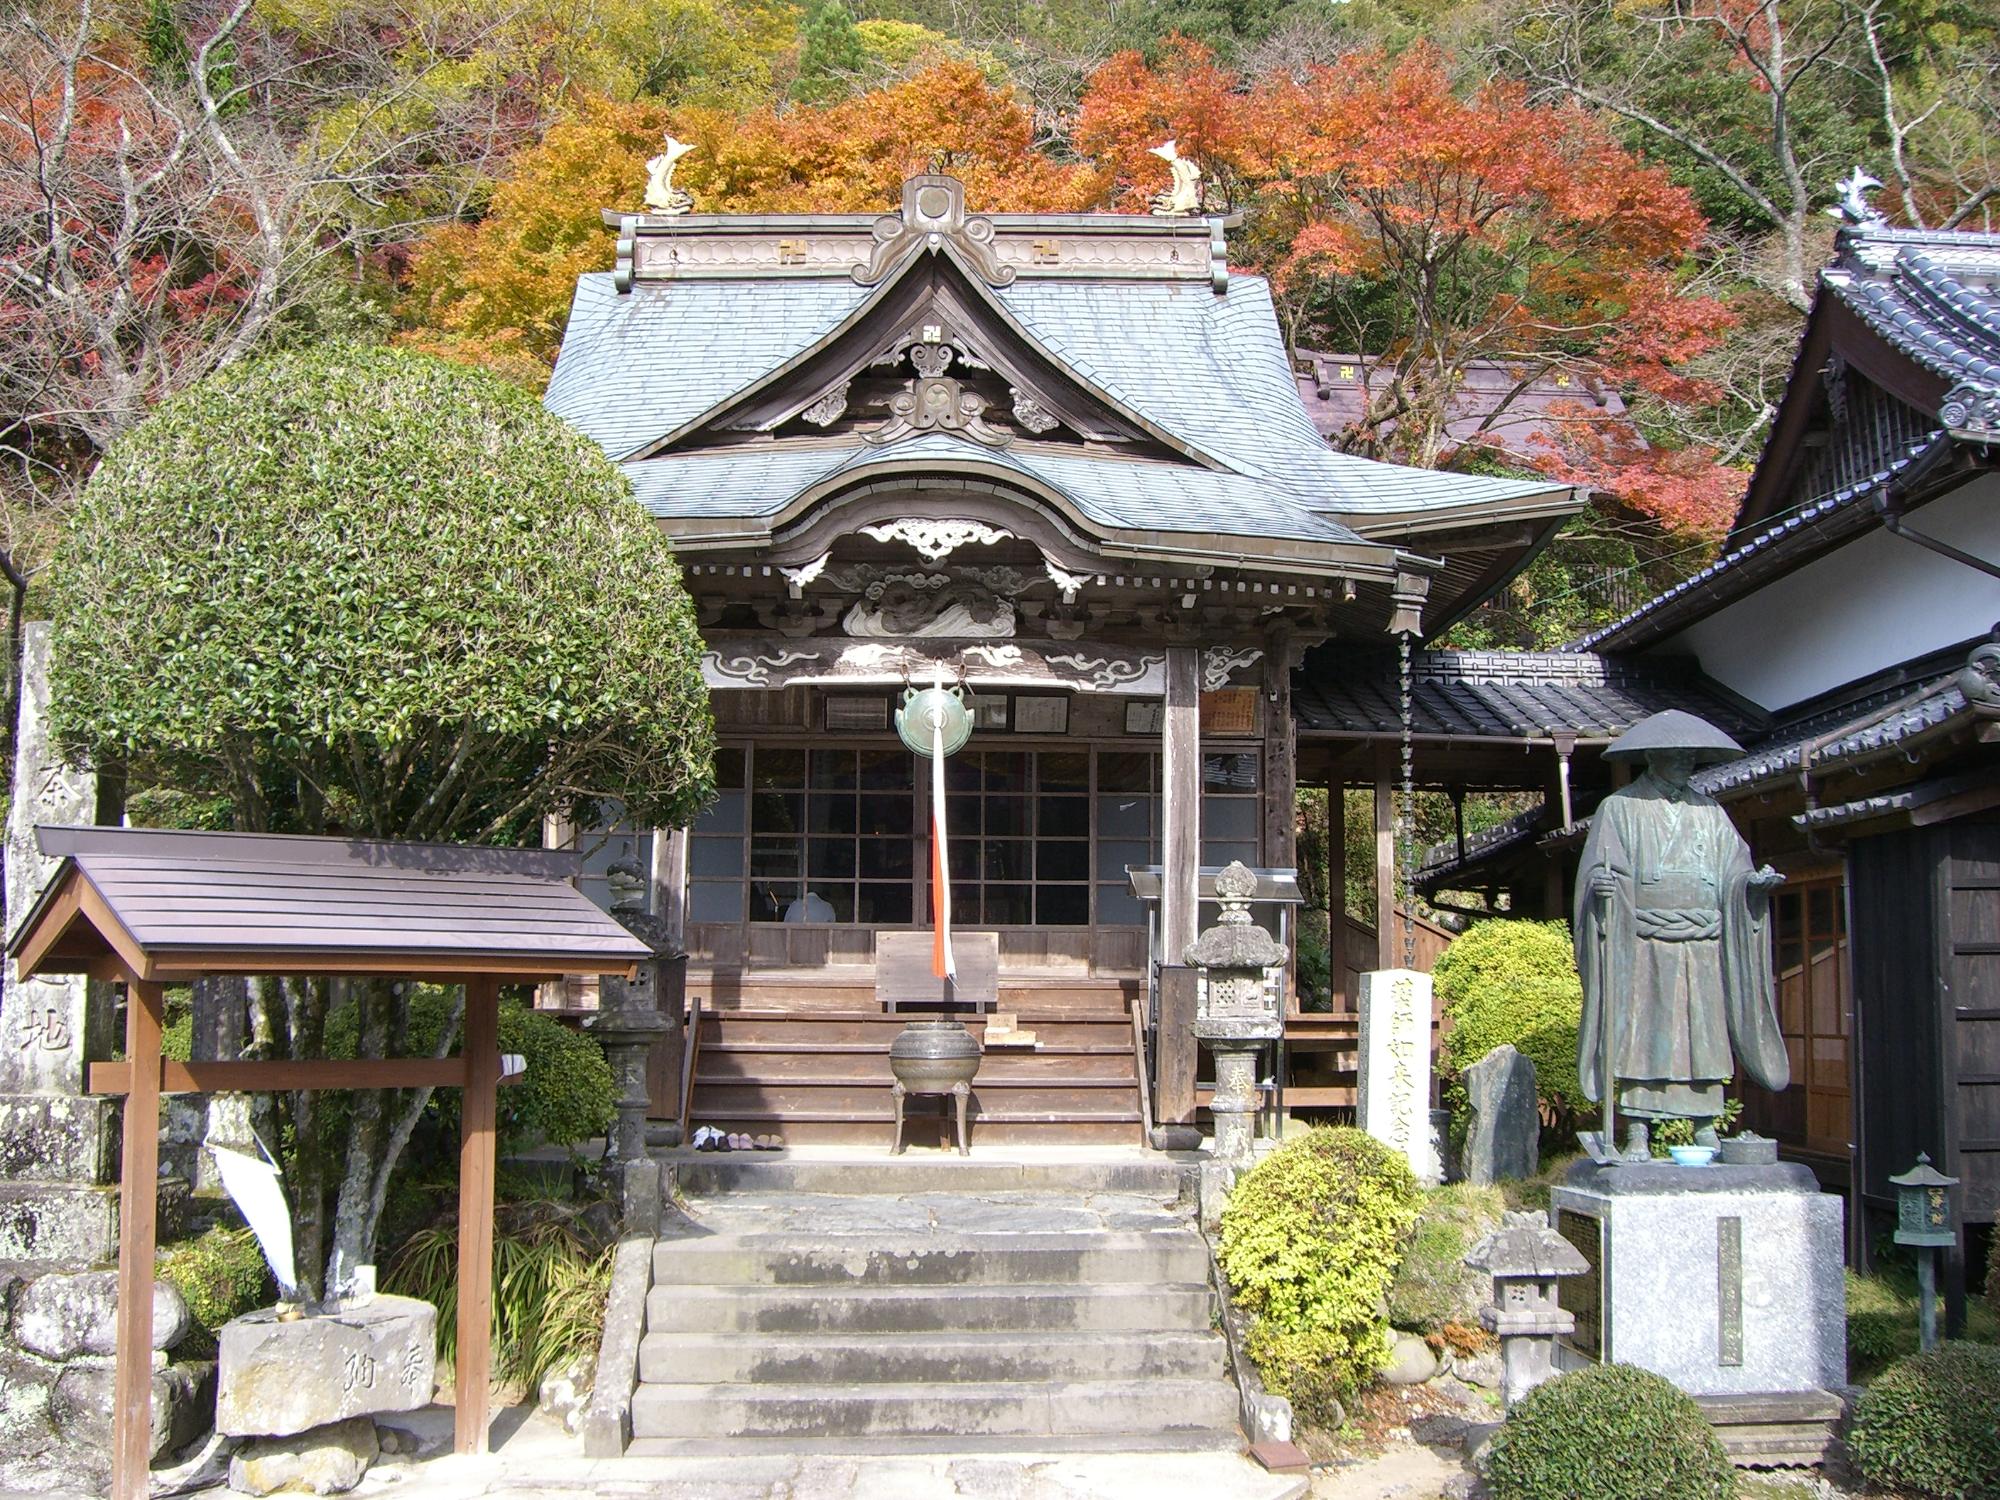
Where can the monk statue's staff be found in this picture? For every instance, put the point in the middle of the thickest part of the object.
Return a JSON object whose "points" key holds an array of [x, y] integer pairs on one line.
{"points": [[1608, 1110]]}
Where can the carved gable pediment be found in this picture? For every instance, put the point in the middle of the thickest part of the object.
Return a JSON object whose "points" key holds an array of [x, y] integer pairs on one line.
{"points": [[932, 350]]}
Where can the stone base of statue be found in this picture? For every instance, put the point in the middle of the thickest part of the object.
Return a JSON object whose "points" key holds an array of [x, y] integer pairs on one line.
{"points": [[1724, 1279]]}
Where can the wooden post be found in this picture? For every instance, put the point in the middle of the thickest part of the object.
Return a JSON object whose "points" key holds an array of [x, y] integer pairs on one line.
{"points": [[475, 1211], [1336, 891], [670, 870], [1281, 760], [138, 1204], [1180, 785], [1177, 1055], [1385, 862]]}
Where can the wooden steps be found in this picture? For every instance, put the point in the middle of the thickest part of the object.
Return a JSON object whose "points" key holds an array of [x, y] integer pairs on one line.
{"points": [[820, 1075]]}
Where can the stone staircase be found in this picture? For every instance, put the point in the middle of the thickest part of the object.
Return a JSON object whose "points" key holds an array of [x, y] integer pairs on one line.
{"points": [[926, 1305]]}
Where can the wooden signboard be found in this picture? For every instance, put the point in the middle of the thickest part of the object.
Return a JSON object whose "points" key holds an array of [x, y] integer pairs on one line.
{"points": [[1229, 711]]}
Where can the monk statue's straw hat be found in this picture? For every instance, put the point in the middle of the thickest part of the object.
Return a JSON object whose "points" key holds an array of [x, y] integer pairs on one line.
{"points": [[1673, 730]]}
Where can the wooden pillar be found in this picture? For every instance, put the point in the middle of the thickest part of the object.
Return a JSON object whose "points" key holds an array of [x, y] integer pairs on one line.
{"points": [[1180, 785], [1385, 860], [1336, 890], [475, 1211], [1281, 760], [670, 870], [138, 1204]]}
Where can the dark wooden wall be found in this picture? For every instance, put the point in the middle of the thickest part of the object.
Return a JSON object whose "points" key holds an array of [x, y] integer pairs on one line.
{"points": [[1924, 922]]}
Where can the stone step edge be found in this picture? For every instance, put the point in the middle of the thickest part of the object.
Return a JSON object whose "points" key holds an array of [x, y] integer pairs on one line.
{"points": [[931, 1291], [1178, 1440], [986, 1338]]}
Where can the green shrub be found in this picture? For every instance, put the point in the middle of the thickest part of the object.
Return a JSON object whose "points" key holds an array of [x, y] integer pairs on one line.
{"points": [[1930, 1425], [550, 1281], [1608, 1432], [221, 1275], [1434, 1286], [1873, 1339], [566, 1096], [1309, 1242], [1513, 982]]}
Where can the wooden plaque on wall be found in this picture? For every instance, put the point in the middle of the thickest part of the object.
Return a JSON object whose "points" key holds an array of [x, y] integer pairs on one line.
{"points": [[1229, 711]]}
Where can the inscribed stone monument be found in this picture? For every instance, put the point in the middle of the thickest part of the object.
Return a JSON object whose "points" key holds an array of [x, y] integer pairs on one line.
{"points": [[1394, 1103], [1504, 1140], [58, 1147]]}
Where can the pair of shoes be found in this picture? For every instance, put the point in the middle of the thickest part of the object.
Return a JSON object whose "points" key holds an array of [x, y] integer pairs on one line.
{"points": [[708, 1138]]}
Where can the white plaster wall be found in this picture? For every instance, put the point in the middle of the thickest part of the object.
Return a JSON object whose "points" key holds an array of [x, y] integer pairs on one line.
{"points": [[1878, 601]]}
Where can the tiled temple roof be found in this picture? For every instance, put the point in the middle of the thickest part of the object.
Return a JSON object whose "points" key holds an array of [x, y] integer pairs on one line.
{"points": [[1500, 694]]}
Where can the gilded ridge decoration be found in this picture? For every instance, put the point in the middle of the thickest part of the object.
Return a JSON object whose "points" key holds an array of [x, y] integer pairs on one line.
{"points": [[662, 197]]}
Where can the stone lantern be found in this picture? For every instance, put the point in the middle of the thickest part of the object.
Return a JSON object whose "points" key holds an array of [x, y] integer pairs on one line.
{"points": [[1527, 1261], [631, 1017], [1235, 1011]]}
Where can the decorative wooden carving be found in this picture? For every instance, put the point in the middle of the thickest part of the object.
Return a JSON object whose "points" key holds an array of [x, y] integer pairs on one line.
{"points": [[829, 408], [771, 664], [936, 539], [962, 611], [937, 404], [1030, 413], [796, 579], [933, 216], [1071, 584], [1220, 661]]}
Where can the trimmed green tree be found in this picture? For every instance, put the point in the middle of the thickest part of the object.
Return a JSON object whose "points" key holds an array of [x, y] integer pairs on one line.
{"points": [[364, 591], [1510, 981]]}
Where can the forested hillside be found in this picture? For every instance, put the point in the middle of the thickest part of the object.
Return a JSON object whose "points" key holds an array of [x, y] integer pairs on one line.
{"points": [[1620, 199]]}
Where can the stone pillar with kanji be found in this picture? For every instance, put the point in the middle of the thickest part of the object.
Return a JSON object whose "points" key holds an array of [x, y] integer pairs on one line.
{"points": [[57, 1204]]}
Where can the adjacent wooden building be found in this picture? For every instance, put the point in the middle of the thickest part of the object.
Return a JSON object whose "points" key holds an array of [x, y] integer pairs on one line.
{"points": [[1848, 630]]}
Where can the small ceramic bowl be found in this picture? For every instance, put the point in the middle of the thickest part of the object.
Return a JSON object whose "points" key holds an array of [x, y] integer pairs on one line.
{"points": [[1691, 1156]]}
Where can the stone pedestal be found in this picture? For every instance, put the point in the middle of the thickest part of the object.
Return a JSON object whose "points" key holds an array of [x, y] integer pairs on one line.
{"points": [[1725, 1280], [277, 1378], [1395, 1094]]}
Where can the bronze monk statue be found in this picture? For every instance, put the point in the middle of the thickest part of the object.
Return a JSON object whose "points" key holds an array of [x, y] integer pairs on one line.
{"points": [[1673, 940]]}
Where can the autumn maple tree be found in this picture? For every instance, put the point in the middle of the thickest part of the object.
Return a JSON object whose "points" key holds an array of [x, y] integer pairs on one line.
{"points": [[1434, 230], [496, 293]]}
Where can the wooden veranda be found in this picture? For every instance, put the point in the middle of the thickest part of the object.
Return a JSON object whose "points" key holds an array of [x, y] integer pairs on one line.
{"points": [[150, 909]]}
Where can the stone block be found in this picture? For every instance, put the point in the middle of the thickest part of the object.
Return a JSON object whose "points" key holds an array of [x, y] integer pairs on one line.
{"points": [[72, 1225], [328, 1460], [1725, 1280], [51, 1138], [183, 1395], [1394, 1101], [53, 1223], [282, 1378], [1504, 1139], [65, 1314]]}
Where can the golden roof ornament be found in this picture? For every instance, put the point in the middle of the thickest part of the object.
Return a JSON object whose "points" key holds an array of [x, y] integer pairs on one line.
{"points": [[1183, 194], [662, 197]]}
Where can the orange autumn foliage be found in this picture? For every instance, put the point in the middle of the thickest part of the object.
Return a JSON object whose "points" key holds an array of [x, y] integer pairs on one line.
{"points": [[1439, 229], [497, 293]]}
